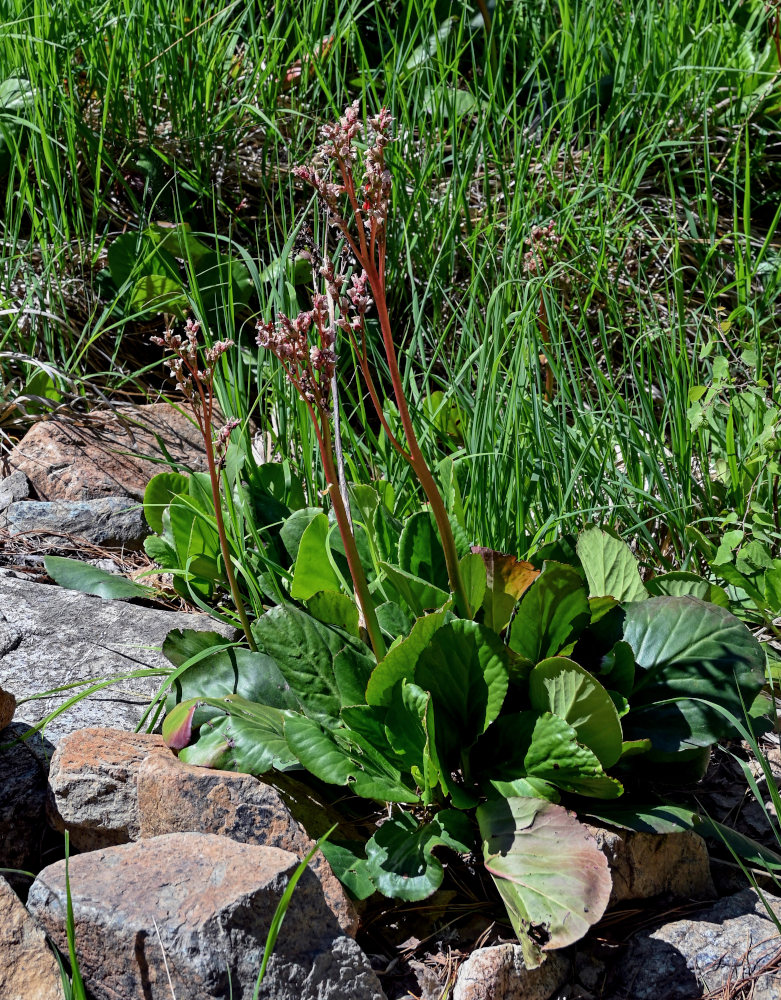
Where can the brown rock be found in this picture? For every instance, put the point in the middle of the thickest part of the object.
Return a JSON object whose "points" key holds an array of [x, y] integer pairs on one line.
{"points": [[499, 973], [7, 708], [643, 865], [28, 969], [92, 785], [23, 768], [198, 908], [69, 461], [178, 798]]}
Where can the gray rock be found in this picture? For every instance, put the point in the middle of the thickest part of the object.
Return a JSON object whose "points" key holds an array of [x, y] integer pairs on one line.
{"points": [[731, 940], [50, 637], [500, 973], [28, 969], [12, 488], [206, 904], [109, 522], [93, 785], [24, 767]]}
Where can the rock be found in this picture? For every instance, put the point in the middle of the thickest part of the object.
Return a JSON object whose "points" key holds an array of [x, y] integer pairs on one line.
{"points": [[92, 785], [730, 941], [500, 973], [102, 456], [23, 769], [7, 708], [28, 969], [108, 522], [12, 488], [643, 865], [50, 637], [178, 798], [206, 904]]}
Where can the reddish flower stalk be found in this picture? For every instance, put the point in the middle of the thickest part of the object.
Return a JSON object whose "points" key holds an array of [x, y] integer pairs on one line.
{"points": [[310, 368], [544, 244], [196, 386], [367, 238]]}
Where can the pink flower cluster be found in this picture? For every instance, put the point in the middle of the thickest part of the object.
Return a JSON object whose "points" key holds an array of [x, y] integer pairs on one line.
{"points": [[371, 198], [310, 367], [183, 366]]}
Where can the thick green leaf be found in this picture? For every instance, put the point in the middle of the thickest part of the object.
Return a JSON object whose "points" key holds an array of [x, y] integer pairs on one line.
{"points": [[222, 671], [685, 650], [197, 542], [399, 856], [304, 650], [420, 550], [352, 670], [475, 579], [342, 757], [332, 608], [465, 666], [653, 817], [313, 570], [75, 575], [410, 729], [610, 567], [526, 788], [255, 742], [401, 659], [159, 492], [507, 578], [773, 586], [295, 526], [680, 584], [394, 620], [554, 880], [159, 293], [556, 756], [420, 595], [349, 867], [387, 530], [551, 615], [563, 687]]}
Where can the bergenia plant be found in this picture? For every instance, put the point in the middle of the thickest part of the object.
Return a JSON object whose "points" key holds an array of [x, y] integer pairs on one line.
{"points": [[512, 693]]}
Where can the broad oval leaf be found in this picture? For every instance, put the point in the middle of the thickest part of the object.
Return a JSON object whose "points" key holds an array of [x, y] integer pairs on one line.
{"points": [[681, 584], [401, 659], [554, 880], [563, 687], [304, 649], [419, 595], [686, 649], [551, 615], [420, 550], [159, 492], [399, 856], [343, 757], [556, 756], [76, 575], [313, 570], [465, 666], [610, 567]]}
